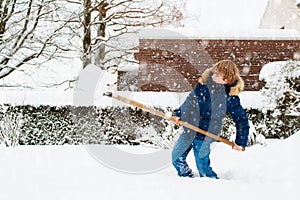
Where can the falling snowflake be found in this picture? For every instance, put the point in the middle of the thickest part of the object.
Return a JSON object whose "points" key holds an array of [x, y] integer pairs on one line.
{"points": [[297, 55]]}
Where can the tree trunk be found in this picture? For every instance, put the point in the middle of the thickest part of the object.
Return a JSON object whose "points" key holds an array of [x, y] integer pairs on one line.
{"points": [[100, 51], [87, 33]]}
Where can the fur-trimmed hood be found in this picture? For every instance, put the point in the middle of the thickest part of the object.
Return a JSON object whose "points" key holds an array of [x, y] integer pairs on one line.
{"points": [[235, 89]]}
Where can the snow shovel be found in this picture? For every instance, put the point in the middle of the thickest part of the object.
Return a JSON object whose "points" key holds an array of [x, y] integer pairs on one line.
{"points": [[168, 117]]}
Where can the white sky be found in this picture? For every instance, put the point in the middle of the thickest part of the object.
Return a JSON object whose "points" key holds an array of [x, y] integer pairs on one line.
{"points": [[226, 14]]}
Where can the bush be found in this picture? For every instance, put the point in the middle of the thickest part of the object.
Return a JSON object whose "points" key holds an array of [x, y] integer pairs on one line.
{"points": [[50, 125], [10, 127], [283, 92]]}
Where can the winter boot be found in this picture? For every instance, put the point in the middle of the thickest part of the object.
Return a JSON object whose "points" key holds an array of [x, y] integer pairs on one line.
{"points": [[188, 174], [210, 174]]}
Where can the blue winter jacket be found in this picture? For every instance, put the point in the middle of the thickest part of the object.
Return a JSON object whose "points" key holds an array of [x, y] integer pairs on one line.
{"points": [[207, 106]]}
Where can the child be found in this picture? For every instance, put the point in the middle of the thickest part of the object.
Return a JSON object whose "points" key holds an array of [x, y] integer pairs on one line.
{"points": [[206, 106]]}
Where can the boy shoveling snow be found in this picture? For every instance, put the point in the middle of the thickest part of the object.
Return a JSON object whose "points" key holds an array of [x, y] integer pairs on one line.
{"points": [[214, 96]]}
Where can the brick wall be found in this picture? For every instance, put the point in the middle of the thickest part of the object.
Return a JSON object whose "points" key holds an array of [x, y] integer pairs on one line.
{"points": [[176, 64]]}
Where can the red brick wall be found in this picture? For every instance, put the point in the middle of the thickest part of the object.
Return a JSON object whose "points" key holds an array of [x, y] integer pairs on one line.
{"points": [[176, 64]]}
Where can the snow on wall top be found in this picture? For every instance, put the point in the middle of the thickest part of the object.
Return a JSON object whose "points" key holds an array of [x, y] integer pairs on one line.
{"points": [[182, 33]]}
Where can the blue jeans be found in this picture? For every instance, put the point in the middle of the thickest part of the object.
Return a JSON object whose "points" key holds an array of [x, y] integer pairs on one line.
{"points": [[188, 140]]}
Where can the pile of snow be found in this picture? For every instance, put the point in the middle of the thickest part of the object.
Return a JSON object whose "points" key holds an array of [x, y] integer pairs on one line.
{"points": [[275, 163], [274, 70], [70, 172]]}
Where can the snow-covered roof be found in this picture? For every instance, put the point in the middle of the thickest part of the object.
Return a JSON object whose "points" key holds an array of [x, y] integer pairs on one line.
{"points": [[182, 33], [128, 68]]}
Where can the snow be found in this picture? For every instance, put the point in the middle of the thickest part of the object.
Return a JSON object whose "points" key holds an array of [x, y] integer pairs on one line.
{"points": [[216, 33], [268, 72], [163, 99], [215, 19], [71, 172], [93, 82], [269, 171], [272, 70]]}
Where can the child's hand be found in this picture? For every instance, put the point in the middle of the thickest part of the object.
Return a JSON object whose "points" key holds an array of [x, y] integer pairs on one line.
{"points": [[175, 120], [237, 147]]}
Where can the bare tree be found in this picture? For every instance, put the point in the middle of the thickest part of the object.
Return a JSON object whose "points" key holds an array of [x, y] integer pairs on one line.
{"points": [[110, 27], [33, 32], [10, 128]]}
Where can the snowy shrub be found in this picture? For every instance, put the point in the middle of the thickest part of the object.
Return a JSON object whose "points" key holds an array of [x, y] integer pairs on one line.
{"points": [[111, 125], [46, 125], [120, 125], [283, 92], [50, 125], [10, 127], [165, 130]]}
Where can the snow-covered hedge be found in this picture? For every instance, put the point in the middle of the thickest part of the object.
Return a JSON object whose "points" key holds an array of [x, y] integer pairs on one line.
{"points": [[45, 125], [283, 92]]}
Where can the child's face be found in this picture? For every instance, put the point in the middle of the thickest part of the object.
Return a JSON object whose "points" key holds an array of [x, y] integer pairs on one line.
{"points": [[218, 78]]}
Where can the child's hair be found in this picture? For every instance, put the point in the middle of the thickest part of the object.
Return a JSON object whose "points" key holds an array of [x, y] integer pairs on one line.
{"points": [[227, 69]]}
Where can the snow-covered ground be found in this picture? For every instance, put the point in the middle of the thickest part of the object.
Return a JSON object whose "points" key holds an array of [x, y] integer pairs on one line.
{"points": [[70, 172]]}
